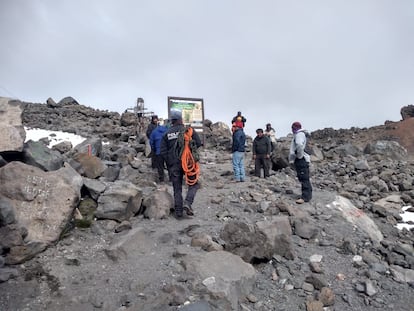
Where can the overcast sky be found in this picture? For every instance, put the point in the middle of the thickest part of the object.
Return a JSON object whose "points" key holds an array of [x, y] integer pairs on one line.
{"points": [[324, 63]]}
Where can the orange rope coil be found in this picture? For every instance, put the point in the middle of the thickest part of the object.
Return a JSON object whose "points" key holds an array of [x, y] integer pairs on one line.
{"points": [[190, 166]]}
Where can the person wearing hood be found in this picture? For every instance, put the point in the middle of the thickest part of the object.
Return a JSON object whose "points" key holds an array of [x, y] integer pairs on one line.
{"points": [[153, 124], [301, 161], [271, 133], [155, 142], [174, 165]]}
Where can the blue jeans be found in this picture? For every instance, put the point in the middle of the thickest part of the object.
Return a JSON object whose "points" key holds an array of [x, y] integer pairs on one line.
{"points": [[238, 165]]}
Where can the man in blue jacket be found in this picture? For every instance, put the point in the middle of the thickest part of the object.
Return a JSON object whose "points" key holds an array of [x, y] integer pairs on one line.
{"points": [[155, 142], [238, 148], [150, 128]]}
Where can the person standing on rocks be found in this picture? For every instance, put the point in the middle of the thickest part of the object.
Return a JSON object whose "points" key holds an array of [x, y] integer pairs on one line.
{"points": [[153, 124], [174, 165], [261, 154], [271, 134], [150, 128], [155, 142], [301, 161], [238, 148], [239, 117]]}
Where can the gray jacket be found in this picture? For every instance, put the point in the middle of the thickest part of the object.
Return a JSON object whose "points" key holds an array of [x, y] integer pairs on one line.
{"points": [[297, 147]]}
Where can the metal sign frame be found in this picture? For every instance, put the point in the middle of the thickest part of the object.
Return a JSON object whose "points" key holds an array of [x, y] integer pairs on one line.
{"points": [[192, 111]]}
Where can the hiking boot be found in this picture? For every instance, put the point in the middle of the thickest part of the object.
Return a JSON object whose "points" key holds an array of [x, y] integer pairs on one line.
{"points": [[181, 216], [189, 211], [178, 214], [300, 201]]}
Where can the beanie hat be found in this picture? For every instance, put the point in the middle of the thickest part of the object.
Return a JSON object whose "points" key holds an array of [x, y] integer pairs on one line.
{"points": [[296, 126], [176, 115]]}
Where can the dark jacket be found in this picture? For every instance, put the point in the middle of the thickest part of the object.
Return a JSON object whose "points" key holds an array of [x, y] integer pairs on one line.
{"points": [[168, 143], [155, 138], [239, 141], [150, 128], [261, 145]]}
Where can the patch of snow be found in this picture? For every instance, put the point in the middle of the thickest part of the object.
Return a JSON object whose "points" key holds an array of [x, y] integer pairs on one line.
{"points": [[55, 137], [406, 217]]}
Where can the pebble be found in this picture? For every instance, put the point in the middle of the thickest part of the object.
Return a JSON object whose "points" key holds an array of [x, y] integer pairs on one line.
{"points": [[315, 258], [252, 298]]}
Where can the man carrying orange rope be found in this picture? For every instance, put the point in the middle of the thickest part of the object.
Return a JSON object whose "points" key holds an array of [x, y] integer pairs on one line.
{"points": [[181, 164]]}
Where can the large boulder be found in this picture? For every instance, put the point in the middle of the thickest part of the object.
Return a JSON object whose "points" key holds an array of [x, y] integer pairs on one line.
{"points": [[120, 201], [218, 135], [68, 101], [278, 233], [280, 155], [89, 165], [91, 146], [43, 201], [256, 243], [387, 148], [407, 112], [12, 133], [36, 207], [357, 218], [226, 278], [129, 119], [7, 214], [38, 154], [158, 204]]}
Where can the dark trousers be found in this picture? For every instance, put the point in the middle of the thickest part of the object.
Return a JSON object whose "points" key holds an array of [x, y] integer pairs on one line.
{"points": [[159, 165], [153, 155], [176, 177], [302, 171], [260, 162]]}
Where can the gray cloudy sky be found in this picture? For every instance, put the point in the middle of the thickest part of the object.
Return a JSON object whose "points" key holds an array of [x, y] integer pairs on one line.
{"points": [[332, 63]]}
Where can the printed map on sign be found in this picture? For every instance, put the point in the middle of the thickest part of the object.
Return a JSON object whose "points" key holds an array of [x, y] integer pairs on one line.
{"points": [[192, 110]]}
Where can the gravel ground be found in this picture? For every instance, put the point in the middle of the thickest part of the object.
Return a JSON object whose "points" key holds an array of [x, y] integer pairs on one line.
{"points": [[76, 274]]}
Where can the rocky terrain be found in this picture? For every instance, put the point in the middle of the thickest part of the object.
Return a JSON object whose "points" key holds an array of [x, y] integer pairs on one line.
{"points": [[88, 227]]}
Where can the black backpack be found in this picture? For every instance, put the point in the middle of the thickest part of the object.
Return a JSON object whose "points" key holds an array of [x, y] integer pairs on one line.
{"points": [[308, 147], [179, 146]]}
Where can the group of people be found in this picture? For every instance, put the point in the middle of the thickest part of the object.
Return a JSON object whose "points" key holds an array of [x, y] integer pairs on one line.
{"points": [[163, 140], [263, 145]]}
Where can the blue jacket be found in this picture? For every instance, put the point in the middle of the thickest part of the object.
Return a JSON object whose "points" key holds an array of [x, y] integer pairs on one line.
{"points": [[156, 137], [239, 141]]}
